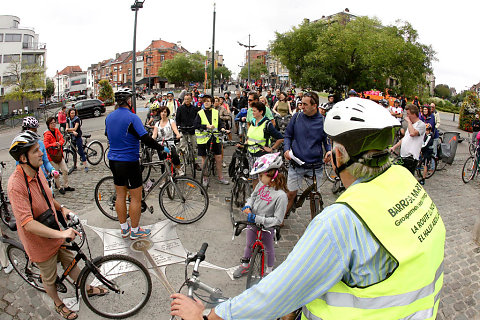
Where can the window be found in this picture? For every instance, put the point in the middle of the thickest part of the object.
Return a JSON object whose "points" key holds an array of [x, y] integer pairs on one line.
{"points": [[9, 58], [12, 37], [8, 80], [162, 57], [16, 23], [115, 77], [1, 37], [114, 68], [120, 68], [28, 59], [139, 71], [27, 41], [129, 71], [146, 71], [120, 77]]}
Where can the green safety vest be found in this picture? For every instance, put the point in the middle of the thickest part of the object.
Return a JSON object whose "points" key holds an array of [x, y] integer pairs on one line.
{"points": [[202, 137], [406, 222], [256, 134]]}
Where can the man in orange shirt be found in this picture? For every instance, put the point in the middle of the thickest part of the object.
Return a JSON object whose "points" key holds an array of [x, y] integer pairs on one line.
{"points": [[31, 198]]}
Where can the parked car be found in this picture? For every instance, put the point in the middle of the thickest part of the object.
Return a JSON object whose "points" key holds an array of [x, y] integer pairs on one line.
{"points": [[81, 97], [90, 107]]}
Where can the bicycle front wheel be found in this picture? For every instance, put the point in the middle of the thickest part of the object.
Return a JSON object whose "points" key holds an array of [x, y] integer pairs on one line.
{"points": [[329, 172], [205, 176], [24, 267], [105, 197], [189, 202], [94, 152], [105, 157], [128, 283], [70, 158], [255, 272], [431, 168], [471, 148], [469, 169]]}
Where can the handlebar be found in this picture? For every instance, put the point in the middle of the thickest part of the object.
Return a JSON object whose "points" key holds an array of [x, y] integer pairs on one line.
{"points": [[2, 163], [239, 226]]}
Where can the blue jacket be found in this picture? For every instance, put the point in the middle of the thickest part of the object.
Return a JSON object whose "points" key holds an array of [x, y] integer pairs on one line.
{"points": [[305, 137]]}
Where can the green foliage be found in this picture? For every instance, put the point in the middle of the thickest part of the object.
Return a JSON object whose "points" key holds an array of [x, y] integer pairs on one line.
{"points": [[257, 68], [221, 72], [458, 98], [184, 68], [442, 91], [470, 107], [443, 105], [25, 82], [106, 92], [49, 89], [360, 54]]}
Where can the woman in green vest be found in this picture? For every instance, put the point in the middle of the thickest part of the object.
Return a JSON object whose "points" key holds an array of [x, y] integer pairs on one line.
{"points": [[259, 136]]}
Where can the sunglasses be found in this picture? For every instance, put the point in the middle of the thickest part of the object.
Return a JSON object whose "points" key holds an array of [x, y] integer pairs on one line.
{"points": [[250, 100]]}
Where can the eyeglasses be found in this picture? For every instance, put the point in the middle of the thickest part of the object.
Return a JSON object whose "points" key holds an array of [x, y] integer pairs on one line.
{"points": [[250, 100]]}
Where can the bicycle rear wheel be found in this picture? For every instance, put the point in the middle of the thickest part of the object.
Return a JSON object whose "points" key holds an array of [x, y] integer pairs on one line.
{"points": [[105, 157], [94, 152], [431, 168], [469, 169], [329, 172], [129, 278], [191, 208], [70, 158], [255, 272], [24, 267], [105, 197], [205, 176]]}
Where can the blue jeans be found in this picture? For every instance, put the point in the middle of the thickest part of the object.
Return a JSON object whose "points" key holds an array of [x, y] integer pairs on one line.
{"points": [[79, 144]]}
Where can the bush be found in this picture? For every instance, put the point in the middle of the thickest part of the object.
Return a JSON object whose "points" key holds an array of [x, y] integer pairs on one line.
{"points": [[443, 105], [470, 107]]}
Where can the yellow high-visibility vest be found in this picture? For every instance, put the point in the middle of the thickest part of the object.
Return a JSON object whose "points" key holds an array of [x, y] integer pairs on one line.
{"points": [[202, 137], [405, 221]]}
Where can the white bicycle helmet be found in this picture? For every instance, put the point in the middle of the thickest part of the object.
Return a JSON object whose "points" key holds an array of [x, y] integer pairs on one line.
{"points": [[267, 162], [29, 123], [360, 125]]}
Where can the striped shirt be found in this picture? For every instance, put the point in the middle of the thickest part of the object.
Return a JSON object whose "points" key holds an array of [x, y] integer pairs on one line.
{"points": [[335, 247]]}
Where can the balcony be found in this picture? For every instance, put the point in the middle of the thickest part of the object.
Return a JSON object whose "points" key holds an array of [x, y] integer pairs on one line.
{"points": [[34, 46]]}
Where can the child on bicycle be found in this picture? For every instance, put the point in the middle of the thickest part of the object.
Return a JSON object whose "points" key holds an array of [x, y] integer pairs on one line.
{"points": [[266, 206], [427, 151]]}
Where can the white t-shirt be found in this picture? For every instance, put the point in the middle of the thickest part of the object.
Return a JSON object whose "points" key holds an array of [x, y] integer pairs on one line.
{"points": [[165, 132], [395, 110], [411, 146]]}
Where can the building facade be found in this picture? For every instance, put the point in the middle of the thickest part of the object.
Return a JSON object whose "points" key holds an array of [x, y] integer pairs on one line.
{"points": [[18, 45]]}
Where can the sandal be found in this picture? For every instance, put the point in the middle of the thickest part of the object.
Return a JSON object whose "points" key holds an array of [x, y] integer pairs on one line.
{"points": [[102, 292], [65, 314]]}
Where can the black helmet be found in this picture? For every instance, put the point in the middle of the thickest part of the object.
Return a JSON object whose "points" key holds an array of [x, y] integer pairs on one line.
{"points": [[397, 101], [22, 143], [331, 95], [383, 102], [122, 95]]}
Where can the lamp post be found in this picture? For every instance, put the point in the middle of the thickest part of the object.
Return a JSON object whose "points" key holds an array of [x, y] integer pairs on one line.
{"points": [[213, 50], [135, 7], [58, 88], [149, 64], [249, 46]]}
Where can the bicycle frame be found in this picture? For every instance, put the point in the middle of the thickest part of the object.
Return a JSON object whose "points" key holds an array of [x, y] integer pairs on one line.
{"points": [[259, 242]]}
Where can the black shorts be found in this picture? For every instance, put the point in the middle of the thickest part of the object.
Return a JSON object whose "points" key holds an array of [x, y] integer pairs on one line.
{"points": [[126, 173], [202, 149]]}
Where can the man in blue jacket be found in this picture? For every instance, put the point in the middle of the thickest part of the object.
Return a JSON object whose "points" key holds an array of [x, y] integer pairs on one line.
{"points": [[304, 144]]}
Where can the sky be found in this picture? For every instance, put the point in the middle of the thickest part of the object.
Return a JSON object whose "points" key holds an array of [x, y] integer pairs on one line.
{"points": [[86, 32]]}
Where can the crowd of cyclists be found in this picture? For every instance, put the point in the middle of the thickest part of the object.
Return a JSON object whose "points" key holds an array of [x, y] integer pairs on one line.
{"points": [[355, 133]]}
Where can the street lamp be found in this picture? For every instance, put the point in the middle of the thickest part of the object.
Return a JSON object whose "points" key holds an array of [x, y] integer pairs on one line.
{"points": [[249, 47], [58, 88], [135, 7]]}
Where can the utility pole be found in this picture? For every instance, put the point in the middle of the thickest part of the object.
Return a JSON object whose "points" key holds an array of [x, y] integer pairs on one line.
{"points": [[249, 46], [213, 51], [58, 87]]}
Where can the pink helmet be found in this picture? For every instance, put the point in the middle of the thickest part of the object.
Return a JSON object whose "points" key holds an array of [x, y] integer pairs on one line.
{"points": [[267, 162]]}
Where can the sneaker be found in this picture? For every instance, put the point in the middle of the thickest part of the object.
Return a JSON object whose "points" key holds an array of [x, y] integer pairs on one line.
{"points": [[69, 189], [126, 232], [8, 268], [205, 182], [180, 172], [86, 169], [62, 190], [223, 181], [241, 271], [141, 233]]}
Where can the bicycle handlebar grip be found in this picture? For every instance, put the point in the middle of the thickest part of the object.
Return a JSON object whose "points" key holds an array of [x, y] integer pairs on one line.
{"points": [[201, 252]]}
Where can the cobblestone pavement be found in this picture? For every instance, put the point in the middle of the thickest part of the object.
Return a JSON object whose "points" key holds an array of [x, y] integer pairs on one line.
{"points": [[457, 202]]}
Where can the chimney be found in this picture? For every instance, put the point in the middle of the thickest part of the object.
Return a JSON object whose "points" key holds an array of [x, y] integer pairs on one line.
{"points": [[346, 10]]}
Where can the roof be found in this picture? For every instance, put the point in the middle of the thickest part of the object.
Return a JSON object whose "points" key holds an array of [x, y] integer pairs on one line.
{"points": [[122, 57], [161, 44], [70, 69]]}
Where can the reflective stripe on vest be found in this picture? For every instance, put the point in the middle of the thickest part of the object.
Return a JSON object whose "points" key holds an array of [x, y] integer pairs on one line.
{"points": [[202, 138], [256, 134], [406, 223]]}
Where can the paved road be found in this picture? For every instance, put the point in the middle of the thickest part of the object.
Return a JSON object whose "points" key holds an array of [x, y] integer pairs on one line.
{"points": [[458, 204]]}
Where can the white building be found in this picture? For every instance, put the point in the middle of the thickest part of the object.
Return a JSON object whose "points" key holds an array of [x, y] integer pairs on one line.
{"points": [[20, 44]]}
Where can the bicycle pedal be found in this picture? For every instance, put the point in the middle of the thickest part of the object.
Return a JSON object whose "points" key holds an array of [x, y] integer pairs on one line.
{"points": [[62, 288]]}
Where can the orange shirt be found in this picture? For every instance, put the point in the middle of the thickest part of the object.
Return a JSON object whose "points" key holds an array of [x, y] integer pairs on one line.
{"points": [[38, 249]]}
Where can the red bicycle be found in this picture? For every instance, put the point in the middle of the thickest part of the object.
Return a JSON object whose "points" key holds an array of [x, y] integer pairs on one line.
{"points": [[257, 262]]}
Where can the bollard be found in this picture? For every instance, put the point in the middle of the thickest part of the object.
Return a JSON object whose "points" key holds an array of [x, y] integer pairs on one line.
{"points": [[454, 116]]}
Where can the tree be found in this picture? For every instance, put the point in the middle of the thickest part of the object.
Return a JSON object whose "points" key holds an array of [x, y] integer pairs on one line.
{"points": [[257, 68], [24, 82], [442, 91], [49, 89], [360, 54], [184, 68], [106, 92]]}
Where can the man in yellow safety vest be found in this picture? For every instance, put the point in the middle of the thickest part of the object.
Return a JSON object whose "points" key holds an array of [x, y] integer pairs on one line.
{"points": [[377, 253]]}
